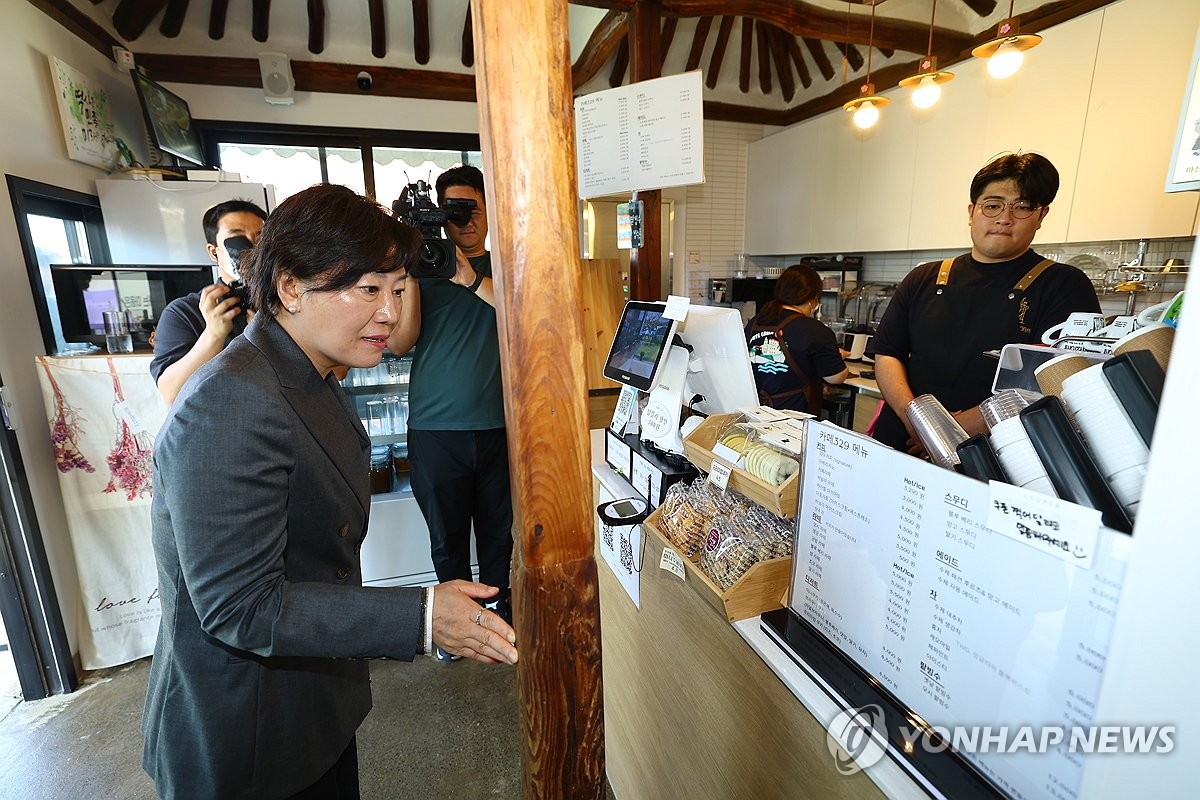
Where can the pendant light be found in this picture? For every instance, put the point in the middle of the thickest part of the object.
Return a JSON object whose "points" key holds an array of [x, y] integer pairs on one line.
{"points": [[927, 83], [1006, 52], [865, 107]]}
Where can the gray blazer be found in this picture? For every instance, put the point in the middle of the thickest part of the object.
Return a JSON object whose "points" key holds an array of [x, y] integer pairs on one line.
{"points": [[260, 506]]}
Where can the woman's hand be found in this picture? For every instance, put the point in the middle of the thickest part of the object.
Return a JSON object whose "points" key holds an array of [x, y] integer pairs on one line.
{"points": [[463, 627]]}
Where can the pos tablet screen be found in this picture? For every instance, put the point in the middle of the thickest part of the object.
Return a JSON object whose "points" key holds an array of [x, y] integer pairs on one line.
{"points": [[640, 346]]}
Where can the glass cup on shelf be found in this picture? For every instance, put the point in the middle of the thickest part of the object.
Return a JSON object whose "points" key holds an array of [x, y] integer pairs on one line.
{"points": [[397, 411], [117, 337], [379, 419]]}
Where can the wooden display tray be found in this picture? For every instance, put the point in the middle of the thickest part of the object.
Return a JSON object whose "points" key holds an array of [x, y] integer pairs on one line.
{"points": [[782, 501], [761, 589]]}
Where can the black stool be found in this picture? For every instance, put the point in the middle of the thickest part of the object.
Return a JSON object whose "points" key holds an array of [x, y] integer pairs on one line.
{"points": [[838, 406]]}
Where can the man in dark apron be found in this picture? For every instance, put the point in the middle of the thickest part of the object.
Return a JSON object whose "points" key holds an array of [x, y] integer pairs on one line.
{"points": [[945, 316]]}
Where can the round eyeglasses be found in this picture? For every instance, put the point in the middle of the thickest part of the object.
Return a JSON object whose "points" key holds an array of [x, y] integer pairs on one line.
{"points": [[1021, 209]]}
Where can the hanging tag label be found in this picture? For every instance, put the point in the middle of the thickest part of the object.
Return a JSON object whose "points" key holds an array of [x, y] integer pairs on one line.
{"points": [[673, 562], [677, 307], [124, 411], [718, 474]]}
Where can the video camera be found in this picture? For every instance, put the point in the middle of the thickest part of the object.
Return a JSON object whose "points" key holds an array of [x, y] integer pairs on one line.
{"points": [[416, 207], [236, 247]]}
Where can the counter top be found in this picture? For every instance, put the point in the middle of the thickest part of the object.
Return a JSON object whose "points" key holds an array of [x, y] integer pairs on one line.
{"points": [[862, 385]]}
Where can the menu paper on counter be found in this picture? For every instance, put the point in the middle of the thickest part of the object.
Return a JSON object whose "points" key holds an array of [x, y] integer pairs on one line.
{"points": [[648, 135], [896, 566]]}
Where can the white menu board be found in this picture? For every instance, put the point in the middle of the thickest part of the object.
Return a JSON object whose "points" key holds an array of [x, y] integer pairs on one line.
{"points": [[647, 135], [966, 626]]}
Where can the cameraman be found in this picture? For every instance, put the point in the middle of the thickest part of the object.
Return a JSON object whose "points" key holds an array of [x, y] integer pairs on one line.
{"points": [[195, 327], [456, 438]]}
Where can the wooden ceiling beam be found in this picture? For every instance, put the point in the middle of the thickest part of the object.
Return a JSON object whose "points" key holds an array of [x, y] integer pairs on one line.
{"points": [[260, 20], [311, 76], [820, 57], [668, 35], [981, 7], [377, 20], [172, 21], [468, 40], [744, 56], [606, 38], [216, 19], [718, 53], [764, 58], [851, 54], [805, 19], [79, 24], [793, 48], [132, 17], [420, 11], [621, 63], [783, 65], [316, 26], [699, 39]]}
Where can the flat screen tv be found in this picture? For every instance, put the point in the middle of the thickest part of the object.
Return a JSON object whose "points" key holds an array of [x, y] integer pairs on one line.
{"points": [[168, 121], [640, 346]]}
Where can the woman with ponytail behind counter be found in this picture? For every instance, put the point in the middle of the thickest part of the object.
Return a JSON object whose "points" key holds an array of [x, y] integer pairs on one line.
{"points": [[792, 353]]}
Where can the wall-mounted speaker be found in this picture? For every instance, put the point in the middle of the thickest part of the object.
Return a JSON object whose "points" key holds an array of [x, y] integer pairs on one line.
{"points": [[277, 79]]}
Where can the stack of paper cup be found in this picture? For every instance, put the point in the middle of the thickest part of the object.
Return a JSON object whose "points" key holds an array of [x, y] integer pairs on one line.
{"points": [[1004, 404], [1158, 338], [937, 429], [1019, 459], [1051, 374], [1110, 435]]}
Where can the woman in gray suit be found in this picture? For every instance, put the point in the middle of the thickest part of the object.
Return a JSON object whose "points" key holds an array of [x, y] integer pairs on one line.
{"points": [[261, 499]]}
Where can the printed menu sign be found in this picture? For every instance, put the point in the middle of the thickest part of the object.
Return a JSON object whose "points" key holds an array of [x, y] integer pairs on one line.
{"points": [[968, 626], [647, 135]]}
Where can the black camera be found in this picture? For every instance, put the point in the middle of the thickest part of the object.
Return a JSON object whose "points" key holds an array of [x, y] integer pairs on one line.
{"points": [[237, 246], [416, 207]]}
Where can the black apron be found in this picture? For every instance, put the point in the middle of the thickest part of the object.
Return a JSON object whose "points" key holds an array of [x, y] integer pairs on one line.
{"points": [[948, 340], [811, 389]]}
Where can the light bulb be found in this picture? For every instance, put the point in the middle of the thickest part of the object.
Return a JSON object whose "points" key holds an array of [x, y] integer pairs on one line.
{"points": [[866, 114], [1006, 62], [927, 92]]}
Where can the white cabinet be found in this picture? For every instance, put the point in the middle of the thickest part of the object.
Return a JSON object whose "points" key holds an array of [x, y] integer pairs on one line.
{"points": [[834, 185], [775, 176], [1140, 77], [888, 166]]}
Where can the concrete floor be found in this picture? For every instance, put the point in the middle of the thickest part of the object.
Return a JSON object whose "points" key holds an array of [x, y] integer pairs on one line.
{"points": [[438, 730]]}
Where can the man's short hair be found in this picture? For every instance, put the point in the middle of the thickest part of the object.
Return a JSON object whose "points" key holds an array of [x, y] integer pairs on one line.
{"points": [[212, 217], [1035, 176], [466, 175]]}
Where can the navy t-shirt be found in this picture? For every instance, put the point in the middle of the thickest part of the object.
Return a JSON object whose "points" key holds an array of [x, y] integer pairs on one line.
{"points": [[179, 328], [813, 347]]}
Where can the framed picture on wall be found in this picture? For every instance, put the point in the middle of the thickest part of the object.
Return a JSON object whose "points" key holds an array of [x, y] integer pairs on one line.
{"points": [[86, 115], [1185, 155]]}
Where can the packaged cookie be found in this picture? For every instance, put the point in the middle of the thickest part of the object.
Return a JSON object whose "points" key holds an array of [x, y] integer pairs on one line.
{"points": [[685, 514], [729, 550], [769, 464]]}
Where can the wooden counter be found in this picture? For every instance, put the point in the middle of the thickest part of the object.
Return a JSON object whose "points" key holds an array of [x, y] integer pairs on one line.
{"points": [[866, 394], [690, 710]]}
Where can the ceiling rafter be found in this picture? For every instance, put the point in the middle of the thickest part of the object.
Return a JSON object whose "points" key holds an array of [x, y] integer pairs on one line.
{"points": [[764, 58], [316, 26], [606, 38], [260, 20], [668, 35], [851, 54], [468, 40], [820, 57], [783, 65], [172, 21], [744, 55], [981, 7], [132, 17], [420, 12], [377, 21], [620, 64], [699, 39], [793, 48], [216, 18], [718, 53]]}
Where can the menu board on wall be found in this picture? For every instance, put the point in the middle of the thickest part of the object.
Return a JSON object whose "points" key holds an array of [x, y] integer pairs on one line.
{"points": [[967, 626], [647, 135], [1185, 155]]}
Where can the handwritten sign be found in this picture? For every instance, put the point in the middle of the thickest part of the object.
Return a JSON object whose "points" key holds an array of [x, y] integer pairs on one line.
{"points": [[86, 116], [718, 474], [1048, 524]]}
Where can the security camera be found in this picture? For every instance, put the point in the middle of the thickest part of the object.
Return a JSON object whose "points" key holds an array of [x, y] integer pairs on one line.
{"points": [[365, 81]]}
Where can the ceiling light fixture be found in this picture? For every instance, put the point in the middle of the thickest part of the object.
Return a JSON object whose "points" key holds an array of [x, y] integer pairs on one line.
{"points": [[865, 107], [927, 83], [1006, 52]]}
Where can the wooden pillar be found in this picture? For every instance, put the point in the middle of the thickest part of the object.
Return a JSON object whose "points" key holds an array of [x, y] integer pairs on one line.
{"points": [[523, 75], [645, 63]]}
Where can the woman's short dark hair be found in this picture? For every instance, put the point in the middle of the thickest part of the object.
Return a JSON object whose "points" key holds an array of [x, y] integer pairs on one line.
{"points": [[327, 236], [1036, 177], [798, 285]]}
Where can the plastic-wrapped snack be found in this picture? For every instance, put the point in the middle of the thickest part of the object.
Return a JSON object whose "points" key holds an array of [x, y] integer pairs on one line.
{"points": [[775, 532], [736, 437], [729, 550], [685, 514], [770, 465]]}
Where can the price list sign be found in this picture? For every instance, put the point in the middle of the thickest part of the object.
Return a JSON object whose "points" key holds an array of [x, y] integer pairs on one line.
{"points": [[647, 135], [966, 624]]}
